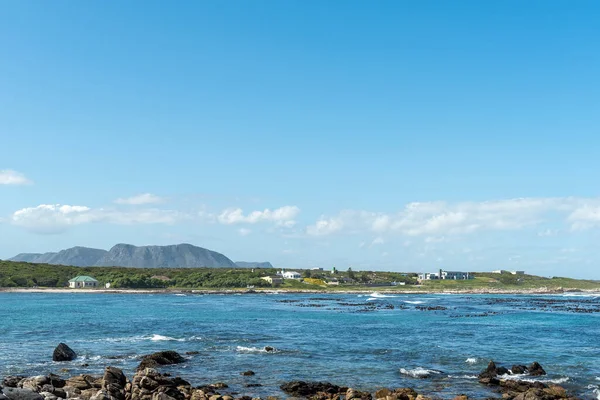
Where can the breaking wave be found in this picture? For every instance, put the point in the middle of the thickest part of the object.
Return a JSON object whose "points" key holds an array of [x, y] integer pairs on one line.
{"points": [[471, 360], [243, 349], [414, 301], [419, 372], [528, 378]]}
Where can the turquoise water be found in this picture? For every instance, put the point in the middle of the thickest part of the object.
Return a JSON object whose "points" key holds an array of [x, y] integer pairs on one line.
{"points": [[351, 340]]}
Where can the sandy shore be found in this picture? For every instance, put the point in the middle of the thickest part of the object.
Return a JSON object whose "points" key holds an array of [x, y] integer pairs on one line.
{"points": [[542, 290]]}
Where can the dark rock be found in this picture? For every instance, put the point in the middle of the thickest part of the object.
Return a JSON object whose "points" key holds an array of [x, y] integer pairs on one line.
{"points": [[62, 352], [149, 384], [113, 383], [405, 394], [356, 394], [253, 385], [269, 349], [535, 369], [191, 353], [12, 381], [160, 358], [519, 369], [21, 394], [248, 373], [502, 371], [304, 389]]}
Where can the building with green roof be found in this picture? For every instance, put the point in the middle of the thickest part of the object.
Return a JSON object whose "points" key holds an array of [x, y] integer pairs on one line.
{"points": [[83, 281]]}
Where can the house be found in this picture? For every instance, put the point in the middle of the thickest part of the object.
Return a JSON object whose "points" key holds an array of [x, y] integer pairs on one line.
{"points": [[292, 275], [446, 275], [503, 271], [83, 281], [273, 279], [333, 282]]}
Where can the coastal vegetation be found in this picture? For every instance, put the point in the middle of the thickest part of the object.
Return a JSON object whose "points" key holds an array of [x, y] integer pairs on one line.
{"points": [[23, 274]]}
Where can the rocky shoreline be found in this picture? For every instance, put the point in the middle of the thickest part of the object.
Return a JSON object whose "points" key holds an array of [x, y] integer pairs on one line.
{"points": [[542, 290], [149, 384]]}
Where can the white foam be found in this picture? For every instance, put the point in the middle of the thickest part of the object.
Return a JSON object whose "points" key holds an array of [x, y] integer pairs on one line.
{"points": [[381, 295], [463, 376], [160, 338], [243, 349], [419, 372], [471, 360], [372, 299], [528, 378], [414, 302], [180, 294]]}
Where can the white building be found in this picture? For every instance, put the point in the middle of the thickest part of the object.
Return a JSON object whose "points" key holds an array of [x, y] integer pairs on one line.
{"points": [[503, 271], [83, 281], [291, 275], [447, 275]]}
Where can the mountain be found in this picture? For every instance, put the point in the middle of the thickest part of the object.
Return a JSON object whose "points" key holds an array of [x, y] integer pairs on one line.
{"points": [[179, 255], [26, 257], [76, 256], [250, 264], [127, 255]]}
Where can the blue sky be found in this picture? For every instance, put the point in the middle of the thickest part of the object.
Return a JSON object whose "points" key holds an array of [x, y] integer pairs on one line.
{"points": [[401, 135]]}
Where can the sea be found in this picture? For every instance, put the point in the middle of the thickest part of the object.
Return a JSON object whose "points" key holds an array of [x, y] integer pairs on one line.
{"points": [[436, 344]]}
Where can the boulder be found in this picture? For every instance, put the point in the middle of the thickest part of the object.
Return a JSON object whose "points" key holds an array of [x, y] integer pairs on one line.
{"points": [[269, 349], [535, 369], [21, 394], [248, 373], [12, 381], [62, 352], [113, 384], [519, 369], [461, 397], [356, 394], [305, 389], [149, 384], [84, 382], [160, 358], [382, 393]]}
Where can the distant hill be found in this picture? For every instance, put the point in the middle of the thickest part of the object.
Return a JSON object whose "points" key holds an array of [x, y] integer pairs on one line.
{"points": [[250, 264], [76, 256], [126, 255]]}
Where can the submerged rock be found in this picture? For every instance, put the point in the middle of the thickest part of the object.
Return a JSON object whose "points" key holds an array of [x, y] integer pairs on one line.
{"points": [[160, 358], [62, 352], [248, 373]]}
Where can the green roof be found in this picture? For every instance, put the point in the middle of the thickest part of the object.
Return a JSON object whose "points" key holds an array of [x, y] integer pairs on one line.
{"points": [[83, 278]]}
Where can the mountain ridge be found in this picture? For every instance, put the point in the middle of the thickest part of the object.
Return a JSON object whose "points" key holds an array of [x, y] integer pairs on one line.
{"points": [[183, 255]]}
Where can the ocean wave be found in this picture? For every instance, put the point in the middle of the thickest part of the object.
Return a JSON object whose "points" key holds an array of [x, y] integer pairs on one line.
{"points": [[243, 349], [463, 376], [471, 360], [381, 295], [160, 338], [414, 301], [180, 294], [528, 378], [419, 372]]}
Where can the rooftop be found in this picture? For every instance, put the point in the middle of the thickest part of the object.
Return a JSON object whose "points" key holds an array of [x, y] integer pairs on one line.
{"points": [[83, 278]]}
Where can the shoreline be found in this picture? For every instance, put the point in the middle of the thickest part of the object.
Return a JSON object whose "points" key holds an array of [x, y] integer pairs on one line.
{"points": [[541, 290]]}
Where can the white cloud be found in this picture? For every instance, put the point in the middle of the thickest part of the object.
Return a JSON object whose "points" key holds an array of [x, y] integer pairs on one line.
{"points": [[585, 217], [244, 231], [145, 198], [548, 232], [56, 218], [440, 219], [377, 240], [10, 177], [283, 216]]}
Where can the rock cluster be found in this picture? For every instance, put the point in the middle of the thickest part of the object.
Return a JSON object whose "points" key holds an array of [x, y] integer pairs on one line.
{"points": [[519, 389], [150, 384]]}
